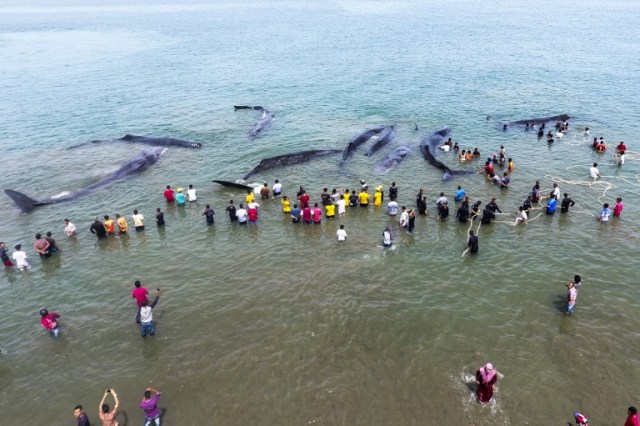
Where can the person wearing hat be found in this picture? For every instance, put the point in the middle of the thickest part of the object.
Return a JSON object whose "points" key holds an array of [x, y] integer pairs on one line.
{"points": [[49, 320], [378, 196], [181, 199]]}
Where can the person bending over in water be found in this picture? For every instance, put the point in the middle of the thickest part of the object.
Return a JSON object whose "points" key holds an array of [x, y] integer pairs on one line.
{"points": [[49, 320], [387, 237], [522, 216]]}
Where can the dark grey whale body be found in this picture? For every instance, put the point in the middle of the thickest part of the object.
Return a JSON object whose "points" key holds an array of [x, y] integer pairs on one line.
{"points": [[393, 159], [428, 148], [164, 141], [290, 159], [540, 120], [145, 159], [266, 118], [358, 140], [385, 137], [149, 140], [230, 184]]}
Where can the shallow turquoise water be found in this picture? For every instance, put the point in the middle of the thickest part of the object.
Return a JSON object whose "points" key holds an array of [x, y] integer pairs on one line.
{"points": [[278, 324]]}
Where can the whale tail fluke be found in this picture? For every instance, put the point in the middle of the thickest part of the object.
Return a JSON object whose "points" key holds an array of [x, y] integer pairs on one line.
{"points": [[23, 201]]}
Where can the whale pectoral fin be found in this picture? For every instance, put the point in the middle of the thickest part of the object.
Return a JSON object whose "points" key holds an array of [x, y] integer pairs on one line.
{"points": [[23, 201]]}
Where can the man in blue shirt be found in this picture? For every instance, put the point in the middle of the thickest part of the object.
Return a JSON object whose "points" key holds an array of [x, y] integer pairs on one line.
{"points": [[460, 194], [551, 204], [295, 214]]}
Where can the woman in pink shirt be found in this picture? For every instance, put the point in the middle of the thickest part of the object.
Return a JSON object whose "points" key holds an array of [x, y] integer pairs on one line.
{"points": [[317, 214]]}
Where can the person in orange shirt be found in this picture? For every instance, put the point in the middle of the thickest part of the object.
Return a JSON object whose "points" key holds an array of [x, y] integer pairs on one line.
{"points": [[109, 225], [123, 226]]}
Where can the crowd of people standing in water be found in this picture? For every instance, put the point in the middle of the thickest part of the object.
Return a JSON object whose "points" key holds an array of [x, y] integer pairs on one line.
{"points": [[331, 204]]}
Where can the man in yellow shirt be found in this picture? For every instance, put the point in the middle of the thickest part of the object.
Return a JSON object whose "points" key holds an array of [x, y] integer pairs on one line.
{"points": [[330, 211], [363, 198], [122, 223], [286, 204], [250, 197], [377, 197]]}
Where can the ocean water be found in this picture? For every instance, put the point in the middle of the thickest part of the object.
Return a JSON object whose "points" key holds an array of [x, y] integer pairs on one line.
{"points": [[279, 324]]}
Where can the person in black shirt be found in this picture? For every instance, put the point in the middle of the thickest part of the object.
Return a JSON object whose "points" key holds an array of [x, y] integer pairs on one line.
{"points": [[487, 216], [475, 208], [393, 191], [208, 214], [421, 202], [98, 229], [231, 211], [472, 242], [353, 199], [566, 203], [325, 197], [159, 217], [443, 211], [463, 212], [526, 206], [493, 206]]}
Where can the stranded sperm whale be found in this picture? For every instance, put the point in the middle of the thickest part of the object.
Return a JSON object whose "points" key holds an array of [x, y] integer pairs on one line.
{"points": [[385, 137], [266, 118], [428, 148], [145, 159], [358, 140], [230, 184], [561, 117], [290, 159], [393, 159], [149, 140]]}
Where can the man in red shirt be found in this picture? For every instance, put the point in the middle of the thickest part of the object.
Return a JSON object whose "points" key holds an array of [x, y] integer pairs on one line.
{"points": [[168, 194], [139, 293], [49, 322], [253, 213], [632, 418], [621, 147], [304, 200]]}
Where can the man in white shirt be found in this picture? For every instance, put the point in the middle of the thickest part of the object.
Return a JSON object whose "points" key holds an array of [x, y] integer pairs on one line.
{"points": [[20, 258], [442, 199], [191, 194], [594, 172], [556, 191], [522, 216], [241, 213], [404, 218], [392, 207], [145, 316], [277, 188], [138, 221], [341, 234], [69, 228]]}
